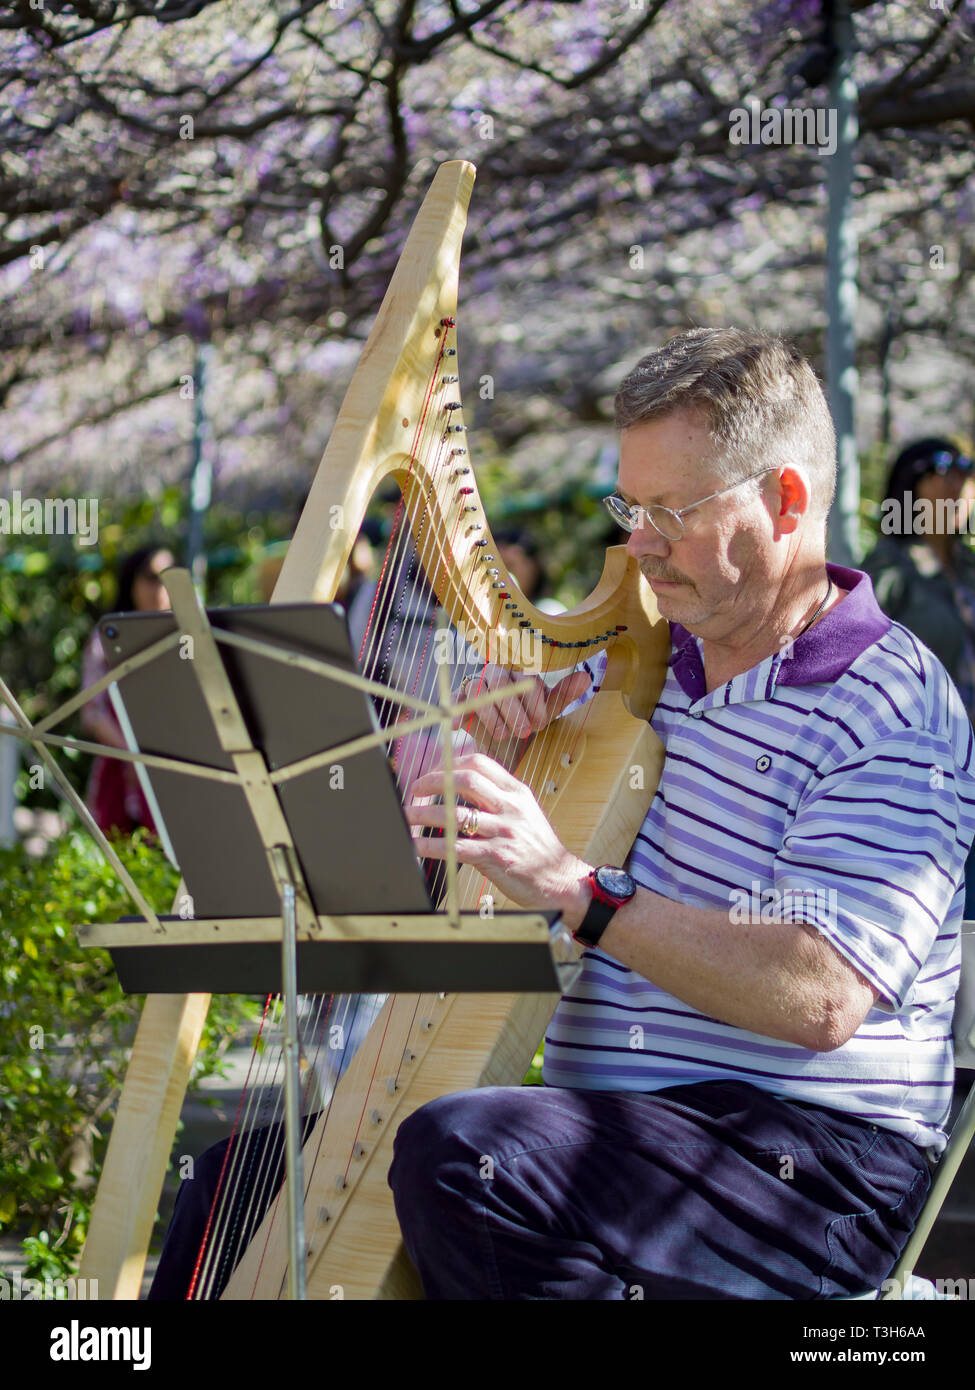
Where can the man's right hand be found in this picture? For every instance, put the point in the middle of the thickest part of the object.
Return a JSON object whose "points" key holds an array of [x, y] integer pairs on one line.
{"points": [[518, 716]]}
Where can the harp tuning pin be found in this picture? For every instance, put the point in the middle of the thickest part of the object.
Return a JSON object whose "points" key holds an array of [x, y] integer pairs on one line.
{"points": [[621, 627], [452, 405], [447, 380], [486, 559], [455, 429], [480, 542], [466, 492], [451, 352], [454, 453], [447, 323]]}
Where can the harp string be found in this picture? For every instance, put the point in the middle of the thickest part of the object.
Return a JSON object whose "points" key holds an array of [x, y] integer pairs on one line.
{"points": [[356, 1002], [254, 1168], [213, 1214], [246, 1171], [402, 558], [224, 1213]]}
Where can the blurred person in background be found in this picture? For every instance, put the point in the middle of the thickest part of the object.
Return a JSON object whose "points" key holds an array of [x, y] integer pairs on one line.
{"points": [[923, 570], [114, 796]]}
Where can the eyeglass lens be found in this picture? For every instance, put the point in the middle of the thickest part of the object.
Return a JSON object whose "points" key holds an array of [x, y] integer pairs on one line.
{"points": [[665, 521]]}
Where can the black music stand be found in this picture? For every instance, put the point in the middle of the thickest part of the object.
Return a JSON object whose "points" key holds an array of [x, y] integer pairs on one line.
{"points": [[302, 761]]}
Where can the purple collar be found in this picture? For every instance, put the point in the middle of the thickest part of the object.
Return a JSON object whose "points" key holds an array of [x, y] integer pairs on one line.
{"points": [[820, 655]]}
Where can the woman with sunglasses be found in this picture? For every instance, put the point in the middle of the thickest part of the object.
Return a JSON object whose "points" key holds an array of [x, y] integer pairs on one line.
{"points": [[923, 569]]}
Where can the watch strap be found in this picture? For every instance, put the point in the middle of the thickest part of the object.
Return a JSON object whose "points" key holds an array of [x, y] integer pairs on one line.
{"points": [[597, 919]]}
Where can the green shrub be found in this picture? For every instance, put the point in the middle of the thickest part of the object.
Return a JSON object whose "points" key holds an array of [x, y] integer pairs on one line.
{"points": [[65, 1027]]}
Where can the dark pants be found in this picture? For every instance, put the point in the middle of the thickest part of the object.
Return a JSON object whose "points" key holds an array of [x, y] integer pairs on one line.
{"points": [[709, 1191]]}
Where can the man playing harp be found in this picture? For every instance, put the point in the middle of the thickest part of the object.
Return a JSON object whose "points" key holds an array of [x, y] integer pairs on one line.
{"points": [[742, 1084]]}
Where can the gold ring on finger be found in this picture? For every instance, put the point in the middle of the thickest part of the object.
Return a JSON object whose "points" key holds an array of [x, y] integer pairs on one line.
{"points": [[468, 826]]}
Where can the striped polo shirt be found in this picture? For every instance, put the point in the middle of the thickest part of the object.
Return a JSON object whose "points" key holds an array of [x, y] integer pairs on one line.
{"points": [[831, 784]]}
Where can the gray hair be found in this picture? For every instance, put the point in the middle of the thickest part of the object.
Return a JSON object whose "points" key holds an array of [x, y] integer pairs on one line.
{"points": [[759, 398]]}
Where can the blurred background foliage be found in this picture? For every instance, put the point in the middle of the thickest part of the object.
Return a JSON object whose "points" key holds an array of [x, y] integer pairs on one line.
{"points": [[65, 1027]]}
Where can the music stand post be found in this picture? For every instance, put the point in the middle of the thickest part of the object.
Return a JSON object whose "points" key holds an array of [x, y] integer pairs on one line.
{"points": [[294, 1166]]}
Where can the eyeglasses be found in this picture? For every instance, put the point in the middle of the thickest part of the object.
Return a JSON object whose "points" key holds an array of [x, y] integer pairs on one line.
{"points": [[941, 462], [667, 522]]}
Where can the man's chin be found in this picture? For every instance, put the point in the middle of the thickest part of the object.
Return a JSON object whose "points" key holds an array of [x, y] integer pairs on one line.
{"points": [[677, 603]]}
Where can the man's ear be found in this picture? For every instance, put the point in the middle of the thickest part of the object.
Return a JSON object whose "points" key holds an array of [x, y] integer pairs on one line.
{"points": [[793, 499]]}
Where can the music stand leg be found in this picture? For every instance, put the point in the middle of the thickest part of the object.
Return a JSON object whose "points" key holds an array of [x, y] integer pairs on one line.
{"points": [[294, 1174]]}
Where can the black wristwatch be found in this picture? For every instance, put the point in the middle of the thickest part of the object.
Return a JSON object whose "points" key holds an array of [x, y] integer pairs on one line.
{"points": [[611, 888]]}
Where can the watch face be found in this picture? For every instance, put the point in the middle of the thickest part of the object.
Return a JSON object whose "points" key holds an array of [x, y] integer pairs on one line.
{"points": [[616, 882]]}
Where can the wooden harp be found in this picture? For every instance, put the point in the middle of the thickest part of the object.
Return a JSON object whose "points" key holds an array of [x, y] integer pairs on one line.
{"points": [[399, 421]]}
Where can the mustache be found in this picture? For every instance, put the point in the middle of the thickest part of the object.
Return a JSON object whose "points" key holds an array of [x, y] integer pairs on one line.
{"points": [[666, 577]]}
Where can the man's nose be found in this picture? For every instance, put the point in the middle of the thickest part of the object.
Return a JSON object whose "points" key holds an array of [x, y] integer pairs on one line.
{"points": [[647, 540]]}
